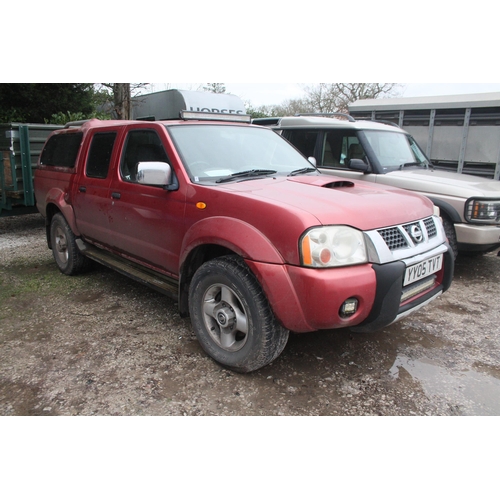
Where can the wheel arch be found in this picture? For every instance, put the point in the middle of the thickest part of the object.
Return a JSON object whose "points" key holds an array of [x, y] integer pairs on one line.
{"points": [[450, 217], [55, 202], [51, 210], [216, 237], [196, 258], [447, 210]]}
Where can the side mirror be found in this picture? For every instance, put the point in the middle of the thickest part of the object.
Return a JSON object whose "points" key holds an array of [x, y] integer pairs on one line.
{"points": [[359, 165], [312, 161], [157, 173]]}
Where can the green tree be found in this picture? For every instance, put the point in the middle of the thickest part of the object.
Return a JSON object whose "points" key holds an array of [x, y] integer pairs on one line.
{"points": [[37, 102], [259, 112]]}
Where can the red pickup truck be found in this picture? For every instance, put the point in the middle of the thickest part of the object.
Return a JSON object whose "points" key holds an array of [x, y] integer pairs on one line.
{"points": [[236, 225]]}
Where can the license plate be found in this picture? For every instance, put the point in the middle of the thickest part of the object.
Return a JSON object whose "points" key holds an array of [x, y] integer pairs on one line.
{"points": [[423, 269]]}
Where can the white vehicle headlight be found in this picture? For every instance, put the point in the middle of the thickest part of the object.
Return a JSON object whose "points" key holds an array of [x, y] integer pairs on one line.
{"points": [[333, 246], [483, 211]]}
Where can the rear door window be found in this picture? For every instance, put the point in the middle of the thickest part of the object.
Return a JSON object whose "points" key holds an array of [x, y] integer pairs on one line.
{"points": [[100, 153], [61, 150]]}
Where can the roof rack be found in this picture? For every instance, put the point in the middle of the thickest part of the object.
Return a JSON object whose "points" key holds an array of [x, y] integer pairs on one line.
{"points": [[386, 122], [342, 115]]}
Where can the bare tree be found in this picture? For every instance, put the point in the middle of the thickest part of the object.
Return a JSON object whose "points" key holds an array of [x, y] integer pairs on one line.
{"points": [[122, 100], [122, 94], [292, 107], [336, 97], [216, 88], [326, 98]]}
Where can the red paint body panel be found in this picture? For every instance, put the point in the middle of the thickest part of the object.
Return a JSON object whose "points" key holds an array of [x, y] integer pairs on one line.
{"points": [[305, 300]]}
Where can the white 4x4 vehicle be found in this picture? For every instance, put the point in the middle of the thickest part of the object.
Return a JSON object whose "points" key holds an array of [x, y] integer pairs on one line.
{"points": [[386, 154]]}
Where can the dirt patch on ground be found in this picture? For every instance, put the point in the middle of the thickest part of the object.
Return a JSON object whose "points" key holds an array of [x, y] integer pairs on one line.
{"points": [[101, 344]]}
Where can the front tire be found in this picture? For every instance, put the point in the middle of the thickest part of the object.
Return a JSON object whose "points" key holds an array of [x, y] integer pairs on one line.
{"points": [[449, 230], [68, 258], [232, 318]]}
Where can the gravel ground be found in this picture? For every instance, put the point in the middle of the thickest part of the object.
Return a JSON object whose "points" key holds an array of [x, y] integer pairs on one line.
{"points": [[101, 344]]}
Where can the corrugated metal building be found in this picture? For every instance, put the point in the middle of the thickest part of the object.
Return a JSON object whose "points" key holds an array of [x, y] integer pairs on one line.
{"points": [[459, 133]]}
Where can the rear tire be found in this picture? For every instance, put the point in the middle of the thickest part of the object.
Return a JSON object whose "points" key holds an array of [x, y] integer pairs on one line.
{"points": [[68, 258], [232, 318]]}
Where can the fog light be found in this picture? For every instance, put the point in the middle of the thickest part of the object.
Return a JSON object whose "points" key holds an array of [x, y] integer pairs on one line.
{"points": [[349, 307]]}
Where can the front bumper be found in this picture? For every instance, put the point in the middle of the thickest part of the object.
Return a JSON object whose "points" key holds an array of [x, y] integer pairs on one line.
{"points": [[472, 237], [388, 308], [306, 300]]}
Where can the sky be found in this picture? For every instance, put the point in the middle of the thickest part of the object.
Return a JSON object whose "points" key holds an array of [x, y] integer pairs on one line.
{"points": [[259, 94]]}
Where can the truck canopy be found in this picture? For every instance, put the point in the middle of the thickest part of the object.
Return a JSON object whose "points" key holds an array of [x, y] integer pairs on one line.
{"points": [[168, 104]]}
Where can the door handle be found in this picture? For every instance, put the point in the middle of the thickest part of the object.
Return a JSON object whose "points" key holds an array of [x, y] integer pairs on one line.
{"points": [[82, 189], [116, 196]]}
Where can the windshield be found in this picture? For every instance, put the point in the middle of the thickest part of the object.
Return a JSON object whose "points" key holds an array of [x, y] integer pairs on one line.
{"points": [[215, 153], [395, 150]]}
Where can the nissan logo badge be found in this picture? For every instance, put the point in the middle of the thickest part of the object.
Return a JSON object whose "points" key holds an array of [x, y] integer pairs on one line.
{"points": [[416, 234]]}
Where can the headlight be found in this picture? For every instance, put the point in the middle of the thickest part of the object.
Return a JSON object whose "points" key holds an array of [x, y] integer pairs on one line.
{"points": [[333, 246], [483, 211]]}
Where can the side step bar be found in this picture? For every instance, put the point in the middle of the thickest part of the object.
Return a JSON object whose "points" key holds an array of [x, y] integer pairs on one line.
{"points": [[159, 282]]}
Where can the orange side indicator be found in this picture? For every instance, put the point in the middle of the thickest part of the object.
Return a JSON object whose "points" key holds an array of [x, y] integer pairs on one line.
{"points": [[201, 205], [306, 251]]}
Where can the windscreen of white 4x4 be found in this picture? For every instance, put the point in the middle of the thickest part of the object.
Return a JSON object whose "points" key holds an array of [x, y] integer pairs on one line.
{"points": [[214, 152], [394, 150]]}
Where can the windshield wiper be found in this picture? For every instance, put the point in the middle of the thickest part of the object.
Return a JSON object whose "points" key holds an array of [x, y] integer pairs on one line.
{"points": [[246, 173], [303, 171]]}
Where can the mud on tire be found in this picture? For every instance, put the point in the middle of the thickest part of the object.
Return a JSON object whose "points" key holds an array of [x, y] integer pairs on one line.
{"points": [[231, 316], [68, 258]]}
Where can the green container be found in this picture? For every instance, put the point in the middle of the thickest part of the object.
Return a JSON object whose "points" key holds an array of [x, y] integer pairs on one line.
{"points": [[20, 147]]}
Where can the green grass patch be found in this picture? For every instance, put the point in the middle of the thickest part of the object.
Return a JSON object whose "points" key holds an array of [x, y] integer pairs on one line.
{"points": [[21, 279]]}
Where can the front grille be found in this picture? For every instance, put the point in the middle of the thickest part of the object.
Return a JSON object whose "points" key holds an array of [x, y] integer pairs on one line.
{"points": [[401, 237], [393, 238], [430, 226]]}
